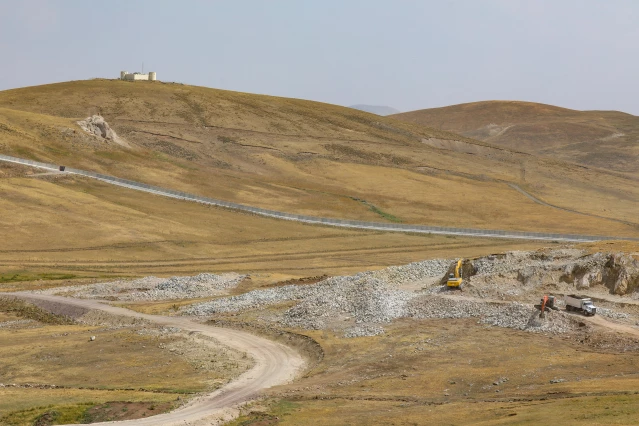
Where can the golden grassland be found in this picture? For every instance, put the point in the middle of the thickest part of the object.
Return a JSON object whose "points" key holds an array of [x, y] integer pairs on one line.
{"points": [[444, 372], [89, 229], [310, 158]]}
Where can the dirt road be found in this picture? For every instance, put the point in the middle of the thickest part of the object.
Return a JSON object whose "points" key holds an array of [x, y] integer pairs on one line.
{"points": [[611, 325], [274, 364]]}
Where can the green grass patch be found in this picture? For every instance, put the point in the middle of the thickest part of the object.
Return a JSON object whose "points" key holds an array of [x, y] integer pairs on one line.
{"points": [[49, 415], [274, 413], [24, 153], [384, 214], [226, 139], [377, 210], [20, 277], [111, 155]]}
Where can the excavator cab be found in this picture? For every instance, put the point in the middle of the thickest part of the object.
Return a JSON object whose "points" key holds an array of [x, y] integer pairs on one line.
{"points": [[455, 278]]}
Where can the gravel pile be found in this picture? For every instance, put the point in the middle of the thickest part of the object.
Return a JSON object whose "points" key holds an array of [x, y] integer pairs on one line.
{"points": [[609, 313], [153, 288], [364, 297], [398, 275], [363, 330], [201, 285], [508, 315], [360, 303], [251, 300], [360, 299], [16, 323]]}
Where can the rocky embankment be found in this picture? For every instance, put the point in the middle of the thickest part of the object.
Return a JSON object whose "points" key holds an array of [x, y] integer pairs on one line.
{"points": [[617, 273]]}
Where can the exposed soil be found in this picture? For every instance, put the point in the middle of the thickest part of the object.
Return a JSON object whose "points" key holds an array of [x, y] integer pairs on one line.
{"points": [[118, 410]]}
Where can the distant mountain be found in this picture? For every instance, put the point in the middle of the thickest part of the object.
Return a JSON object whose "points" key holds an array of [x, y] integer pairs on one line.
{"points": [[376, 109]]}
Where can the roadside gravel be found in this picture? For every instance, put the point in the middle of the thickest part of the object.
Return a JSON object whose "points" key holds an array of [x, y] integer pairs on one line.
{"points": [[153, 288]]}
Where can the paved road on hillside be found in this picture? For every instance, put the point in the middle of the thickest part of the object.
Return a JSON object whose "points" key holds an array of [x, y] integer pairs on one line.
{"points": [[275, 364], [387, 227]]}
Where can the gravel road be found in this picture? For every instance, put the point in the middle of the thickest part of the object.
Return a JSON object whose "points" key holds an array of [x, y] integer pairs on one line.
{"points": [[275, 364]]}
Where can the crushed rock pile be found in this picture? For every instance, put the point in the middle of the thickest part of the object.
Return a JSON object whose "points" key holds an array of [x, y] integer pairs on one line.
{"points": [[153, 288], [360, 303], [609, 313], [17, 323], [508, 315], [367, 296]]}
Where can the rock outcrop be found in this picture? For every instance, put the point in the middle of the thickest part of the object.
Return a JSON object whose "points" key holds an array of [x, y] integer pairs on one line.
{"points": [[96, 125]]}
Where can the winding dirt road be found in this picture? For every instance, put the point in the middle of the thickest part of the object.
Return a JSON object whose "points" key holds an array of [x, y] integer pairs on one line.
{"points": [[274, 364]]}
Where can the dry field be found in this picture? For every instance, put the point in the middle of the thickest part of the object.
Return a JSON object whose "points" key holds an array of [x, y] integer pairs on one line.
{"points": [[49, 365], [456, 372], [75, 228]]}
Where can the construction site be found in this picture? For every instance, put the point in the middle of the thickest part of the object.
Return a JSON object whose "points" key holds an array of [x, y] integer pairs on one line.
{"points": [[329, 320], [187, 254]]}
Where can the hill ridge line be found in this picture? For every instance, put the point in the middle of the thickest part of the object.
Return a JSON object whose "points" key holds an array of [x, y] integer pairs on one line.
{"points": [[344, 223]]}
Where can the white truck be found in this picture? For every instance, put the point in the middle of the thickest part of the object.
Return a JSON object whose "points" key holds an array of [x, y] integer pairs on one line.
{"points": [[580, 304]]}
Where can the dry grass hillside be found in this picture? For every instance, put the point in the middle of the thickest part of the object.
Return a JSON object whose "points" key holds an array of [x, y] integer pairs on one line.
{"points": [[605, 139], [63, 228], [311, 158]]}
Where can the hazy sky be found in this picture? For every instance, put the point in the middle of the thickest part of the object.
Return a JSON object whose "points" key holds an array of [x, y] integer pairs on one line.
{"points": [[581, 54]]}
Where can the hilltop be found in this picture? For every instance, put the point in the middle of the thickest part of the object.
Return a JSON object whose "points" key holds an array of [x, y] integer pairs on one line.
{"points": [[605, 139], [376, 109]]}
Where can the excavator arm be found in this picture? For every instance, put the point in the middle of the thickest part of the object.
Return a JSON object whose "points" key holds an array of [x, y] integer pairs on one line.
{"points": [[543, 306], [455, 279]]}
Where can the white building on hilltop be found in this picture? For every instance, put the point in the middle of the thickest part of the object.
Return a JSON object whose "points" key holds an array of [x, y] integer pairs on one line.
{"points": [[151, 76]]}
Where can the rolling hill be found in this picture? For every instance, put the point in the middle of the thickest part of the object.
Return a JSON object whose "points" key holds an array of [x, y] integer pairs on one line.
{"points": [[310, 158], [604, 139]]}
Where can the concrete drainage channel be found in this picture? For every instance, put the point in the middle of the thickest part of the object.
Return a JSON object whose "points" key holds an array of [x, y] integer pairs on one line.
{"points": [[420, 229]]}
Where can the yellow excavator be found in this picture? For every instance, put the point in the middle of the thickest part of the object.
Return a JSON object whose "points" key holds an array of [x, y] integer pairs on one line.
{"points": [[455, 278]]}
